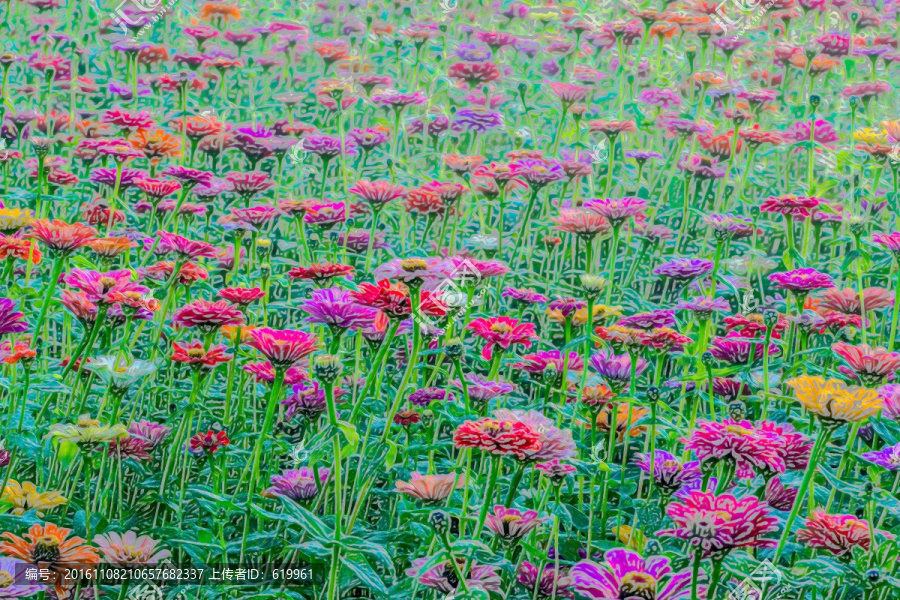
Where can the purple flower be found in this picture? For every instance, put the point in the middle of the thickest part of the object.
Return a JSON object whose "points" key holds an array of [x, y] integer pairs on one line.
{"points": [[669, 473], [684, 268], [473, 53], [307, 399], [616, 369], [10, 318], [426, 396], [649, 320], [478, 119], [336, 308], [298, 485], [538, 172], [889, 457], [703, 307], [738, 351], [890, 398], [779, 497], [326, 147]]}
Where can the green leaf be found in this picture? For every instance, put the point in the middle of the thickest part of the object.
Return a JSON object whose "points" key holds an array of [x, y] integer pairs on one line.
{"points": [[351, 434], [66, 453], [366, 576]]}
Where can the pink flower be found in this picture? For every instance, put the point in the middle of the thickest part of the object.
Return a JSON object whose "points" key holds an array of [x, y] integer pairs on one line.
{"points": [[241, 296], [890, 241], [737, 443], [283, 348], [715, 525], [431, 489], [502, 332], [847, 301], [377, 193], [185, 249], [510, 524], [801, 281], [207, 316], [616, 210]]}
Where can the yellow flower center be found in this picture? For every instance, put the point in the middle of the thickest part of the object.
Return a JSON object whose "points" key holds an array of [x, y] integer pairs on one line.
{"points": [[501, 328], [413, 264], [6, 579], [638, 585]]}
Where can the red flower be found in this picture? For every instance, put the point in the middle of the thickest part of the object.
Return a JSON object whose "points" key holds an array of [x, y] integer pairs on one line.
{"points": [[319, 273], [497, 437], [209, 442], [207, 316], [195, 356], [241, 296]]}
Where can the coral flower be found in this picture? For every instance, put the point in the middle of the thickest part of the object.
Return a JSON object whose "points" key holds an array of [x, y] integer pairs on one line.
{"points": [[838, 534], [208, 443], [60, 237], [431, 489], [197, 357], [871, 365], [51, 548], [834, 401]]}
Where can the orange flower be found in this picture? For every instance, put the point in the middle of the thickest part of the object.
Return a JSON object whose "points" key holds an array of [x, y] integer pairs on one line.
{"points": [[48, 548], [230, 331], [212, 10], [11, 355], [623, 422], [155, 144], [112, 246]]}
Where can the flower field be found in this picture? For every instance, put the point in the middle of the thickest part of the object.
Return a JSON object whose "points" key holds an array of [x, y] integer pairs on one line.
{"points": [[450, 300]]}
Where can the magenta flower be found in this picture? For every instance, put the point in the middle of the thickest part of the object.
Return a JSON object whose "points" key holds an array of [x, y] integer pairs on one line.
{"points": [[626, 574], [336, 308], [442, 576], [649, 320], [616, 210], [801, 281], [737, 350], [482, 391], [183, 248], [549, 583], [716, 525], [104, 287], [283, 348]]}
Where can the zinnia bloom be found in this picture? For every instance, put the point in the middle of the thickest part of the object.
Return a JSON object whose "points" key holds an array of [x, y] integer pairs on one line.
{"points": [[130, 549], [872, 366], [51, 547], [431, 489], [497, 437], [298, 485], [283, 348], [510, 524], [715, 525], [626, 574], [838, 534], [501, 332], [833, 400]]}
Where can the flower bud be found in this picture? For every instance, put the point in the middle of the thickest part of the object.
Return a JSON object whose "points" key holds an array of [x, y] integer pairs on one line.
{"points": [[327, 368], [707, 359], [439, 522], [770, 318], [455, 349]]}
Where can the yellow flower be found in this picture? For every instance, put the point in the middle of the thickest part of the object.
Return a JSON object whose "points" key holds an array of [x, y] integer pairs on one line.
{"points": [[633, 538], [25, 497], [88, 431], [871, 136], [14, 219], [834, 400]]}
